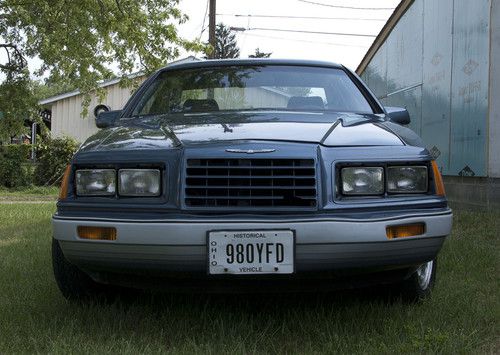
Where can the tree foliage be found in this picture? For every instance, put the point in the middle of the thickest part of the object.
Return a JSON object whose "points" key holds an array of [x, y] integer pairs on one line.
{"points": [[17, 104], [78, 42], [53, 155], [259, 54], [14, 168], [225, 43]]}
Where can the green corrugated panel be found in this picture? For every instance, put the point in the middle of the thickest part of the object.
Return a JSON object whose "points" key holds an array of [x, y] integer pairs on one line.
{"points": [[404, 50], [375, 73], [469, 89], [435, 62], [438, 21]]}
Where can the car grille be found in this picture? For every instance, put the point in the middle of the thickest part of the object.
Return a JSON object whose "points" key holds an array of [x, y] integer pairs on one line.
{"points": [[243, 183]]}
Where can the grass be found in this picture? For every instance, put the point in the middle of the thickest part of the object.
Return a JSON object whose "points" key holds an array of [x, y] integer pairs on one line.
{"points": [[30, 193], [461, 317]]}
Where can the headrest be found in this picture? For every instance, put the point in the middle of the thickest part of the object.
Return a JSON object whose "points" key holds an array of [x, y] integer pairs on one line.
{"points": [[310, 102], [205, 105]]}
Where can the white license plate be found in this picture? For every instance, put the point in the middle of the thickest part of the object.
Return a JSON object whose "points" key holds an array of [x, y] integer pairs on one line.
{"points": [[251, 252]]}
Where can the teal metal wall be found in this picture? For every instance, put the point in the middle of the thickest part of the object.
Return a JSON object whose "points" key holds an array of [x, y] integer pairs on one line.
{"points": [[435, 62]]}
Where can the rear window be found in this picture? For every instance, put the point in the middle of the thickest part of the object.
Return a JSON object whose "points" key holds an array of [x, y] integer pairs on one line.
{"points": [[237, 88]]}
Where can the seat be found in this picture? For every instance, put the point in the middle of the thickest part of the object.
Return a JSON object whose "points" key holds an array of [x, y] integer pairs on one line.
{"points": [[204, 105], [303, 102]]}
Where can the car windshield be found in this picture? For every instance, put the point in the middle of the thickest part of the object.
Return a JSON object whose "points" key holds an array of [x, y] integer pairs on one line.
{"points": [[260, 87]]}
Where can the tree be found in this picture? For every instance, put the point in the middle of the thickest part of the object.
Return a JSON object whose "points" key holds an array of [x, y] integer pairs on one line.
{"points": [[78, 42], [259, 54], [225, 43], [17, 104]]}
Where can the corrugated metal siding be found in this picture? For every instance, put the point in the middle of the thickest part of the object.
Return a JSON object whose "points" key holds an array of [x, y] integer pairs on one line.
{"points": [[375, 73], [412, 100], [67, 119], [66, 113], [469, 89], [437, 54], [249, 97], [404, 50], [435, 62], [494, 102], [264, 98]]}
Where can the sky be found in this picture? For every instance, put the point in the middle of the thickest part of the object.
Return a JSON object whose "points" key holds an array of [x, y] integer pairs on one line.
{"points": [[345, 17], [347, 50]]}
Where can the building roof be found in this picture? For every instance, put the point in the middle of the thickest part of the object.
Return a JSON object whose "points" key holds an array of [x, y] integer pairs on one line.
{"points": [[109, 82], [399, 11]]}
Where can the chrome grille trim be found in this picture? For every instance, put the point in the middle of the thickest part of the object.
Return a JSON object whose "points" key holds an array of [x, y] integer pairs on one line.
{"points": [[250, 182]]}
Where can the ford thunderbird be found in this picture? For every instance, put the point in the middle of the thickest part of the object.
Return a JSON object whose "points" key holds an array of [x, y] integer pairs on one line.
{"points": [[251, 175]]}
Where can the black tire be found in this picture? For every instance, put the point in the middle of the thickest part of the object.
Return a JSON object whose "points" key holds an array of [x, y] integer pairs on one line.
{"points": [[420, 284], [74, 284]]}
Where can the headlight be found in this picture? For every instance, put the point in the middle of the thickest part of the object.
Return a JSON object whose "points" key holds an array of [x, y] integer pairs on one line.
{"points": [[95, 182], [362, 181], [139, 182], [407, 179]]}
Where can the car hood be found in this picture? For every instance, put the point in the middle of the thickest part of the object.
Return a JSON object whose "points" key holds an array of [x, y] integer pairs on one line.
{"points": [[329, 129]]}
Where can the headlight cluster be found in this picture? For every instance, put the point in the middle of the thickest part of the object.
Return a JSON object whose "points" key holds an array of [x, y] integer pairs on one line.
{"points": [[407, 179], [96, 182], [362, 181], [139, 182], [131, 182], [356, 181]]}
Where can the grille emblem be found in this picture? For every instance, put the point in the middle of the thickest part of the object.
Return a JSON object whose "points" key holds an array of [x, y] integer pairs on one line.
{"points": [[250, 151]]}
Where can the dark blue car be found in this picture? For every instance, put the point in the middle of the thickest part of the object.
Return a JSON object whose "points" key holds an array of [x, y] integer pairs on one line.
{"points": [[251, 175]]}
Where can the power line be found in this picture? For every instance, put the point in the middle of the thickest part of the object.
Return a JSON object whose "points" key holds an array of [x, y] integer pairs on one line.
{"points": [[306, 17], [301, 31], [346, 7], [306, 41], [204, 18]]}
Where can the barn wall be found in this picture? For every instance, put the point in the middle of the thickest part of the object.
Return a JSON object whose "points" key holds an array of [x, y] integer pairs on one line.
{"points": [[67, 119], [494, 115], [66, 113], [435, 62], [264, 98], [248, 97]]}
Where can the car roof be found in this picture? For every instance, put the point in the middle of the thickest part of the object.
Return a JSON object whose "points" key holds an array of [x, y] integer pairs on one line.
{"points": [[250, 62]]}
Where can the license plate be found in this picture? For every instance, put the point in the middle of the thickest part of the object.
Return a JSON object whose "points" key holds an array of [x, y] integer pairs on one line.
{"points": [[251, 252]]}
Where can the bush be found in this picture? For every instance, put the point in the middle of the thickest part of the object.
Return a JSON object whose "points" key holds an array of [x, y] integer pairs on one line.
{"points": [[53, 155], [15, 169]]}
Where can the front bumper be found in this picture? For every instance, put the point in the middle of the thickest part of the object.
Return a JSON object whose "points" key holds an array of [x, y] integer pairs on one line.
{"points": [[323, 244]]}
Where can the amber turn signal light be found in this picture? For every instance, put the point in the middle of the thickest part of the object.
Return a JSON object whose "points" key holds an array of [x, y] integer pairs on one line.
{"points": [[438, 179], [97, 233], [63, 190], [405, 230]]}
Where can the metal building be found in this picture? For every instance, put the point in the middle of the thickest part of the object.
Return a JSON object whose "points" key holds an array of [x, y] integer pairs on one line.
{"points": [[441, 60], [66, 109]]}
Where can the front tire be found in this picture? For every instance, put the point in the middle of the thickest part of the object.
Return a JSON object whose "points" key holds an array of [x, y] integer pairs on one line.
{"points": [[420, 284], [73, 283]]}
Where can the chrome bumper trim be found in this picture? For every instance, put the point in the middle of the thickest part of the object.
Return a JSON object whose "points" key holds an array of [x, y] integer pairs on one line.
{"points": [[321, 244], [237, 219], [307, 232]]}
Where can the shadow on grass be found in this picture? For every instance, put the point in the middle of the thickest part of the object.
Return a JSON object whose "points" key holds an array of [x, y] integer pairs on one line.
{"points": [[249, 302]]}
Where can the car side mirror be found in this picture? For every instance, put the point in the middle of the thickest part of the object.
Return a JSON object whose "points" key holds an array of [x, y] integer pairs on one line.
{"points": [[398, 115], [106, 119]]}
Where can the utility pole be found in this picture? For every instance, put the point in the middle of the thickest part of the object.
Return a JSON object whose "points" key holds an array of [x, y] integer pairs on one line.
{"points": [[211, 26]]}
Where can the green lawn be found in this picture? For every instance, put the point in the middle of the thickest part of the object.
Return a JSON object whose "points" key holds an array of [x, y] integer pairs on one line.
{"points": [[30, 193], [462, 316]]}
